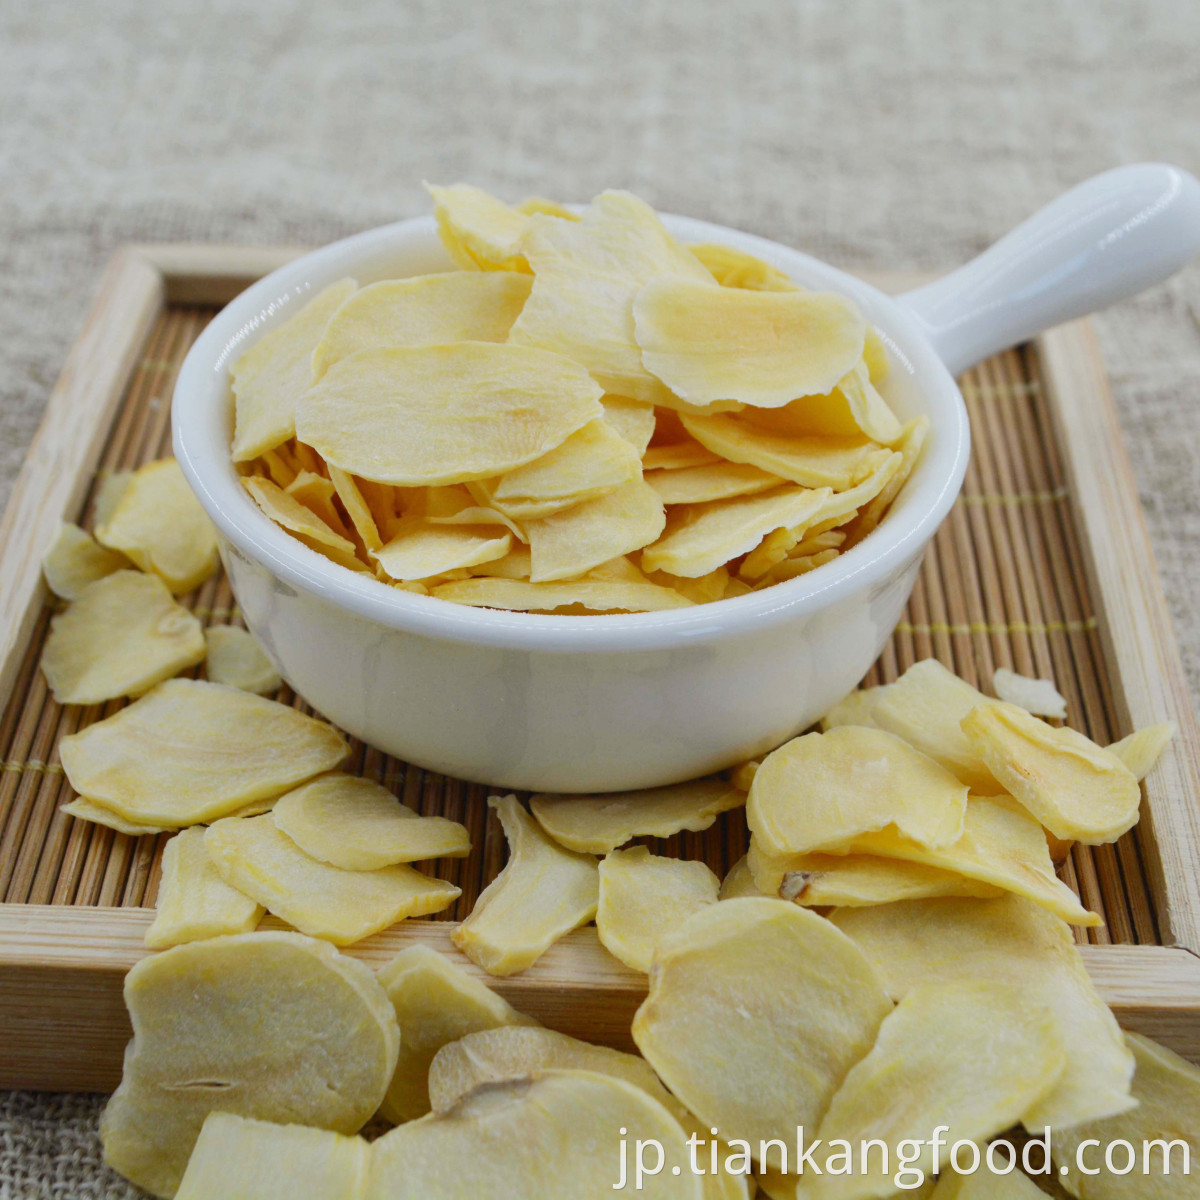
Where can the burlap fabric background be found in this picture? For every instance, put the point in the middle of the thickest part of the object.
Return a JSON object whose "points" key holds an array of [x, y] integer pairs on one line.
{"points": [[889, 135]]}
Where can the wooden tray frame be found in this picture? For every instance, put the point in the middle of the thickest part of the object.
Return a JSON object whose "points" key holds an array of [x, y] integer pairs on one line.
{"points": [[63, 1024]]}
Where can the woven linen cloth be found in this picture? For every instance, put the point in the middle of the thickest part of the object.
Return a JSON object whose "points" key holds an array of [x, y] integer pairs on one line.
{"points": [[902, 135]]}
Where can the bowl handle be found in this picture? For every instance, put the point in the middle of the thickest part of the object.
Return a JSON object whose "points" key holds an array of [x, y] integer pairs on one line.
{"points": [[1105, 240]]}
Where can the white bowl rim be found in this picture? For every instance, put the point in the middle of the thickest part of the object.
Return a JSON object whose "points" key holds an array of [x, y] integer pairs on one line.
{"points": [[916, 516]]}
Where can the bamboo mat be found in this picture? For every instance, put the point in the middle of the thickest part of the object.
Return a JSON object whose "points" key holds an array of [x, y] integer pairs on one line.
{"points": [[1004, 584]]}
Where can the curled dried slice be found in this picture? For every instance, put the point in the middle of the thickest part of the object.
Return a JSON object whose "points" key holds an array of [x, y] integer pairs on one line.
{"points": [[159, 525], [284, 509], [111, 488], [643, 897], [986, 1185], [590, 594], [236, 659], [355, 504], [121, 636], [445, 414], [719, 1025], [856, 708], [1076, 789], [316, 493], [677, 455], [573, 541], [88, 810], [1141, 749], [586, 275], [1000, 845], [421, 549], [632, 419], [701, 537], [736, 268], [276, 371], [522, 1138], [739, 881], [1038, 696], [852, 409], [833, 462], [911, 442], [543, 893], [194, 902], [189, 752], [969, 1057], [823, 791], [710, 481], [75, 559], [426, 310], [274, 1026], [343, 907], [925, 707], [1010, 940], [478, 230], [762, 348], [236, 1158], [436, 1003], [875, 355], [1164, 1130], [358, 825], [591, 462], [599, 824]]}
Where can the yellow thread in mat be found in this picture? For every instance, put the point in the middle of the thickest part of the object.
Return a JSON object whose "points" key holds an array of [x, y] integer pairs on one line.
{"points": [[1014, 498], [999, 627], [34, 764]]}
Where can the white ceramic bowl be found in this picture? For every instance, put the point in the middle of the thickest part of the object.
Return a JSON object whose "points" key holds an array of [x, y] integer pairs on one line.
{"points": [[573, 703]]}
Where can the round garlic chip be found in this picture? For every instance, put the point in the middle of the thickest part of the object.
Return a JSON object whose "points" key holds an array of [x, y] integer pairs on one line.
{"points": [[762, 348], [274, 1026], [757, 1010], [236, 659], [76, 559], [1038, 696], [555, 1136], [122, 635], [189, 752], [428, 310], [644, 897], [358, 825], [445, 414], [421, 549], [967, 1057], [710, 481], [158, 524]]}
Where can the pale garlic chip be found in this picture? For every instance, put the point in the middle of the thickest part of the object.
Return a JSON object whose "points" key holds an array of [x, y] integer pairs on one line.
{"points": [[238, 1158], [274, 1026], [737, 269], [237, 660], [1076, 789], [316, 493], [436, 1004], [719, 1025], [1037, 696], [739, 882], [586, 275], [823, 791], [285, 510], [761, 348], [425, 310], [678, 455], [590, 463], [445, 414], [343, 907], [522, 1138], [1000, 845], [1009, 940], [816, 462], [75, 559], [912, 441], [121, 636], [599, 824], [420, 549], [710, 481], [1142, 748], [84, 809], [875, 355], [358, 825], [276, 371], [350, 494], [542, 894], [571, 542], [985, 1185], [159, 525], [479, 231], [1164, 1130], [969, 1057], [108, 492], [194, 902], [701, 537], [189, 752], [925, 707], [856, 708], [632, 419], [644, 897], [591, 595]]}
